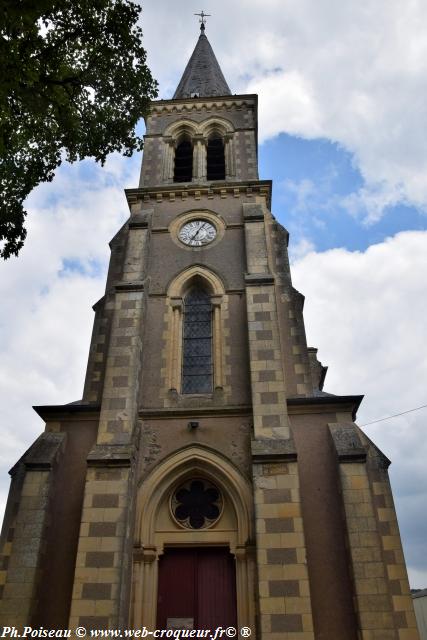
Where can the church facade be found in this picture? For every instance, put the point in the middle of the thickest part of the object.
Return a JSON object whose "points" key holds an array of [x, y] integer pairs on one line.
{"points": [[205, 479]]}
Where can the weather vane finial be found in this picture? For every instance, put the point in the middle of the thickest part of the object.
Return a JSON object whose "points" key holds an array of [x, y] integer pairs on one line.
{"points": [[202, 20]]}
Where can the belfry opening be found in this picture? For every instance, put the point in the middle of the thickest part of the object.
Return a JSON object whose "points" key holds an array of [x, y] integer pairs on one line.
{"points": [[183, 162], [215, 159]]}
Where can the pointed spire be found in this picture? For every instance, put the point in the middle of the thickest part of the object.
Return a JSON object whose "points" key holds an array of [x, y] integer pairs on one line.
{"points": [[202, 76]]}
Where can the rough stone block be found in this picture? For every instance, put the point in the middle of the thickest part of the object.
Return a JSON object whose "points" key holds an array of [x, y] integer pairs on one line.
{"points": [[117, 403], [271, 421], [274, 496], [286, 623], [96, 591], [261, 297], [268, 397], [281, 556], [283, 588], [93, 622], [105, 500], [279, 525], [99, 559], [102, 529]]}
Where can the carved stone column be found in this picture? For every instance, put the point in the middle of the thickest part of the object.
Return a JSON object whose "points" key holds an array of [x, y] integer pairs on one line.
{"points": [[168, 159], [176, 345], [199, 159], [145, 589], [217, 342], [230, 165]]}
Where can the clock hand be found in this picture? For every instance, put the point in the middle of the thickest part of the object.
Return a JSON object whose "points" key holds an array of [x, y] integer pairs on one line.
{"points": [[199, 230], [194, 235]]}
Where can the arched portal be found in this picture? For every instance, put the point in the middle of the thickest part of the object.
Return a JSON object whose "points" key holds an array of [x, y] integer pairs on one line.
{"points": [[222, 535]]}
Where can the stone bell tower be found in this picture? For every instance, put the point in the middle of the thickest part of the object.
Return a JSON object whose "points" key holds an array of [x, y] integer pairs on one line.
{"points": [[205, 479]]}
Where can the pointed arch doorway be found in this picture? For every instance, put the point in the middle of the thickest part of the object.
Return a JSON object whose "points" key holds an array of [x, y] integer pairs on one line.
{"points": [[183, 574], [196, 588]]}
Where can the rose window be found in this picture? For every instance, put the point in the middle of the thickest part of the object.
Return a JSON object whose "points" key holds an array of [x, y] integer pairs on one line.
{"points": [[196, 504]]}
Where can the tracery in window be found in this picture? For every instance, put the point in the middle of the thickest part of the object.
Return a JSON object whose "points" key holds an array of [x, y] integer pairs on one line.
{"points": [[197, 369], [215, 163], [197, 504], [183, 171]]}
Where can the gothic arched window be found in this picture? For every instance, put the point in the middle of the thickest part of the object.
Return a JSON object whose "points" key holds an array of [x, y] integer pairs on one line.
{"points": [[183, 162], [215, 163], [197, 370]]}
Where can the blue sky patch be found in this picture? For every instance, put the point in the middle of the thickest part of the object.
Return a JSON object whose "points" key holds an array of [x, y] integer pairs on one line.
{"points": [[311, 181], [90, 268]]}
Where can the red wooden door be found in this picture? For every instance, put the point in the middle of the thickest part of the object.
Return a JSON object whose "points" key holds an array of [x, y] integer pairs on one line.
{"points": [[197, 583]]}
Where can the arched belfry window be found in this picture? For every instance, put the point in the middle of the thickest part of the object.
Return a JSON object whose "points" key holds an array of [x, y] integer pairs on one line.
{"points": [[215, 162], [197, 369], [183, 171]]}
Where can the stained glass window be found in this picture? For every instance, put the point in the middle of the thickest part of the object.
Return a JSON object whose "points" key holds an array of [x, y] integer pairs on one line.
{"points": [[197, 342]]}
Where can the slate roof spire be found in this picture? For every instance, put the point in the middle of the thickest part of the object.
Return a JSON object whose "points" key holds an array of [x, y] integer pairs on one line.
{"points": [[202, 76]]}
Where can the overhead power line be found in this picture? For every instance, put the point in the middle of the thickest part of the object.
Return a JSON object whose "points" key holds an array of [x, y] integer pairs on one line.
{"points": [[396, 415]]}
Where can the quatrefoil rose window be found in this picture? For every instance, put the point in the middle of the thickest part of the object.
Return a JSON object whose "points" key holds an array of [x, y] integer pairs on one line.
{"points": [[196, 504]]}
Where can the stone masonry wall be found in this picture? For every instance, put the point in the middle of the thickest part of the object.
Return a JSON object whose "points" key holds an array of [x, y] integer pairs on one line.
{"points": [[103, 576], [284, 597], [25, 548], [382, 598]]}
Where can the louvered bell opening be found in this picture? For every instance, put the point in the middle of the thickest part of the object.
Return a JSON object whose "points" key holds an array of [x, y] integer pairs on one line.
{"points": [[215, 160], [183, 162], [197, 343]]}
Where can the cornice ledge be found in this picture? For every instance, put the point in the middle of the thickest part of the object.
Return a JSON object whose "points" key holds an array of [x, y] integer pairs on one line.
{"points": [[139, 221], [255, 279], [252, 212], [131, 196], [182, 412], [322, 404], [64, 411], [272, 450], [247, 188], [129, 286], [107, 455], [347, 442], [188, 104], [43, 453]]}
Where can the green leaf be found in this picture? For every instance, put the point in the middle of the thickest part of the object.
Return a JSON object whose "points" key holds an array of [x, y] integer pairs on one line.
{"points": [[75, 85]]}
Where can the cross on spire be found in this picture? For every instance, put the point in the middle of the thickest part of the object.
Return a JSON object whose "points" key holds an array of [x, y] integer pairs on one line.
{"points": [[202, 20]]}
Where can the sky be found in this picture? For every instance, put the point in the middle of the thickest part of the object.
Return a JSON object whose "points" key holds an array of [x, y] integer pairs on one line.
{"points": [[342, 132]]}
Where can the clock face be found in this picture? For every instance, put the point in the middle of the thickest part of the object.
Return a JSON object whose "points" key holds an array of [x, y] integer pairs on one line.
{"points": [[197, 233]]}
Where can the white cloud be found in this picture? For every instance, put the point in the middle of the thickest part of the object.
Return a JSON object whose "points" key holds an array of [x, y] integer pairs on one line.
{"points": [[47, 295], [365, 312], [370, 202], [352, 72], [300, 249], [287, 104], [303, 190]]}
